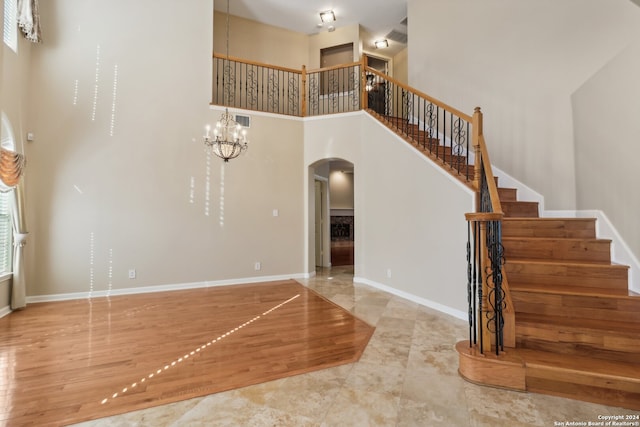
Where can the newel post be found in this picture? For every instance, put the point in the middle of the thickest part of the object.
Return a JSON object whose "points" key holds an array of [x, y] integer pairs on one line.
{"points": [[476, 122], [303, 109]]}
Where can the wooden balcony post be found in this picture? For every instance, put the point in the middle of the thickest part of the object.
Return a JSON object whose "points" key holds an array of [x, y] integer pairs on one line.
{"points": [[477, 131], [303, 108]]}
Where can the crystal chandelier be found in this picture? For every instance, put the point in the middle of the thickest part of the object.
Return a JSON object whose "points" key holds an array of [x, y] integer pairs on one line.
{"points": [[229, 137]]}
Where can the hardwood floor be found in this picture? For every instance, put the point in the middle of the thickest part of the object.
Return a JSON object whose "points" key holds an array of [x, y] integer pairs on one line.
{"points": [[66, 362], [342, 253]]}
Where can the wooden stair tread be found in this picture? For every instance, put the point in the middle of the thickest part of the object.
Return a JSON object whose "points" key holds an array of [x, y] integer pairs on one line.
{"points": [[575, 290], [585, 365], [578, 324], [570, 263], [562, 239], [549, 219]]}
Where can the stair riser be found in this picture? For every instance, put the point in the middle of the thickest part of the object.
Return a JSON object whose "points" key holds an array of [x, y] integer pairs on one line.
{"points": [[623, 309], [606, 345], [550, 275], [507, 195], [558, 249], [520, 209], [549, 228]]}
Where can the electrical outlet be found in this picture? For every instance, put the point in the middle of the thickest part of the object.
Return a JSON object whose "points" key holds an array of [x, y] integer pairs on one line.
{"points": [[132, 273], [389, 273], [257, 266]]}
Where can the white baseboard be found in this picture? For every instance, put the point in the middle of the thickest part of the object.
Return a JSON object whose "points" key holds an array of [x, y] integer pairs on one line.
{"points": [[422, 301], [620, 252], [163, 288], [4, 311]]}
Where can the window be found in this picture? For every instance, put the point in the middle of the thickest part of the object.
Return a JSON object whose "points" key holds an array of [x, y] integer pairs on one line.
{"points": [[10, 24], [6, 225], [6, 231]]}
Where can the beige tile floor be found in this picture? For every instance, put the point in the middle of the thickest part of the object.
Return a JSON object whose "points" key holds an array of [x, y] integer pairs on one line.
{"points": [[407, 376]]}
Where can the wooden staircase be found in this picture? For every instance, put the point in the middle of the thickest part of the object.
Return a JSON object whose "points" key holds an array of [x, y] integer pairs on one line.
{"points": [[577, 325]]}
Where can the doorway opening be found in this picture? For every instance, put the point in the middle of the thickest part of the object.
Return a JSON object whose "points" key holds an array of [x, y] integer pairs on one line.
{"points": [[336, 80], [376, 86], [334, 213]]}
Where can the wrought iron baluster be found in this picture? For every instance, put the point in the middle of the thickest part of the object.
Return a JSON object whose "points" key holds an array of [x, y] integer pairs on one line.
{"points": [[470, 297], [480, 291]]}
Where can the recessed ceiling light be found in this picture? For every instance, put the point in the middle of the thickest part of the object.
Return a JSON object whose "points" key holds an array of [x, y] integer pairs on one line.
{"points": [[327, 16], [381, 44]]}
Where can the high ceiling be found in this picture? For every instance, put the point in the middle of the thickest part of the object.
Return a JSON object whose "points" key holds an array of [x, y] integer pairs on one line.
{"points": [[377, 17]]}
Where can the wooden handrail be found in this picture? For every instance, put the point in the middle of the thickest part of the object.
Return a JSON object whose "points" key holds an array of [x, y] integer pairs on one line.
{"points": [[334, 67], [420, 94], [491, 182], [259, 64]]}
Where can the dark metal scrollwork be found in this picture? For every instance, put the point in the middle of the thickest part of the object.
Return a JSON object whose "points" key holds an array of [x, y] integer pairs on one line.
{"points": [[273, 89], [431, 117], [229, 79], [496, 298], [354, 79], [294, 95], [459, 142], [252, 87], [314, 94], [407, 106], [334, 89]]}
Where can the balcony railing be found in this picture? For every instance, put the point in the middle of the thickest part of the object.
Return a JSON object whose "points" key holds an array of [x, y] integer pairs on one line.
{"points": [[439, 130]]}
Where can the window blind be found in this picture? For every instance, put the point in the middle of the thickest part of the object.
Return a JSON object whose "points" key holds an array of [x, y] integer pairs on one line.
{"points": [[10, 34], [5, 233]]}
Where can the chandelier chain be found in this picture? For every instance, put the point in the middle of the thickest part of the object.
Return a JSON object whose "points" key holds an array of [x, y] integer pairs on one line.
{"points": [[229, 137]]}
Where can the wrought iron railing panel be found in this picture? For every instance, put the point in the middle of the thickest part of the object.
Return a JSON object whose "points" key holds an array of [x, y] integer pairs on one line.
{"points": [[335, 90], [256, 87], [441, 131], [485, 294]]}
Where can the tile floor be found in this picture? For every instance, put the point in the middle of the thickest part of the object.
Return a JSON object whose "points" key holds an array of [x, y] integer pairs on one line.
{"points": [[407, 376]]}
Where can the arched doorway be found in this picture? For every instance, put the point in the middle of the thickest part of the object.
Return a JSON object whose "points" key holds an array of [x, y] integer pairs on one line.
{"points": [[333, 213]]}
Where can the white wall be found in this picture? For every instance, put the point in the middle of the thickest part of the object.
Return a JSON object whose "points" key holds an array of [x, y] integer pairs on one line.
{"points": [[416, 231], [341, 190], [413, 220], [520, 61], [118, 177], [607, 128], [324, 39], [259, 42], [14, 88]]}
